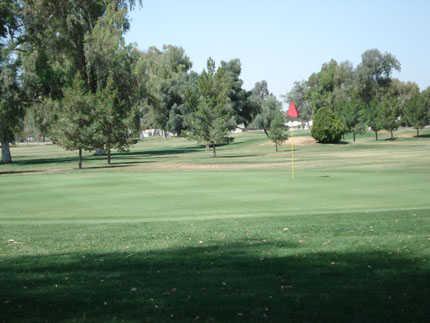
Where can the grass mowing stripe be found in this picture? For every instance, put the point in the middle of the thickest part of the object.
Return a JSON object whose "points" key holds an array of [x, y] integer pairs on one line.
{"points": [[164, 218]]}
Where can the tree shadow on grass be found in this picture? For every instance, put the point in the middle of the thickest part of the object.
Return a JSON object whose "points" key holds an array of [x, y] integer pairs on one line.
{"points": [[126, 154], [218, 283], [427, 135], [37, 161], [342, 142], [160, 152], [15, 172], [238, 156]]}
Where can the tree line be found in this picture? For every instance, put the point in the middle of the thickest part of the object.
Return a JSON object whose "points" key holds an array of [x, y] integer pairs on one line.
{"points": [[67, 71], [341, 98]]}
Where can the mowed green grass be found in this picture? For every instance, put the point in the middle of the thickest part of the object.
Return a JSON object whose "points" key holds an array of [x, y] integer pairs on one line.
{"points": [[169, 234]]}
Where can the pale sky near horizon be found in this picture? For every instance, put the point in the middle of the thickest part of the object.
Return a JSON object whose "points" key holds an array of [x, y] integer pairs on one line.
{"points": [[286, 41]]}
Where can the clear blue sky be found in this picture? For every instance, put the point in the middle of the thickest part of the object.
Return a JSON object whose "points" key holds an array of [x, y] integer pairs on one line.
{"points": [[282, 41]]}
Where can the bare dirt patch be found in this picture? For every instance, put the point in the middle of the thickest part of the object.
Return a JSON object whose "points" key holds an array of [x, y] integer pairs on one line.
{"points": [[298, 141]]}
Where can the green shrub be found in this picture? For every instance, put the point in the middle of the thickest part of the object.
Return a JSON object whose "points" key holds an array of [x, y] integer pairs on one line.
{"points": [[327, 126]]}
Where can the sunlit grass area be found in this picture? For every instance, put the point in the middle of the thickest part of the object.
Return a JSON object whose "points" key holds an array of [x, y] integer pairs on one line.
{"points": [[171, 234]]}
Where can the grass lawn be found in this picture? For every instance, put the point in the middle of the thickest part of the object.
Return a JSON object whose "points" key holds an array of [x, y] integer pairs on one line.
{"points": [[169, 234]]}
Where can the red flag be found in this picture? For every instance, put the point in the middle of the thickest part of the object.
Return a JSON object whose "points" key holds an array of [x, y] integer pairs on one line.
{"points": [[292, 111]]}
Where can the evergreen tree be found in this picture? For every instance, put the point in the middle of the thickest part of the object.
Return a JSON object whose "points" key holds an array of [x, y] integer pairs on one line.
{"points": [[76, 127], [212, 116], [111, 64]]}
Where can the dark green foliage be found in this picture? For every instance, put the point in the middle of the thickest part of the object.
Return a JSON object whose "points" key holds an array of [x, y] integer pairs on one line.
{"points": [[163, 76], [76, 125], [211, 115], [351, 111], [417, 112], [322, 86], [245, 109], [327, 126], [111, 63], [374, 72], [112, 122]]}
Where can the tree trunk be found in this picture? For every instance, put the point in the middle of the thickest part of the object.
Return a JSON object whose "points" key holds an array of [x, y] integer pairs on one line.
{"points": [[276, 146], [265, 131], [376, 135], [213, 150], [5, 153], [80, 158], [391, 133], [353, 136], [109, 155]]}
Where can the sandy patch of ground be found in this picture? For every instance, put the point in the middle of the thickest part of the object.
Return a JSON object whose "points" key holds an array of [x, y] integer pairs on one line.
{"points": [[298, 141]]}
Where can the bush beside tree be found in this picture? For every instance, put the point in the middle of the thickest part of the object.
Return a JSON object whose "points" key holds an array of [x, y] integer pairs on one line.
{"points": [[327, 126]]}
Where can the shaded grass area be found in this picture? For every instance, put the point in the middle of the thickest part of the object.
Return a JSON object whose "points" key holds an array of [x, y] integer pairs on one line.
{"points": [[219, 283], [369, 267]]}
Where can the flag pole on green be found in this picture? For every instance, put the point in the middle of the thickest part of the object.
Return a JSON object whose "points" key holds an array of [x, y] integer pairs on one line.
{"points": [[293, 114]]}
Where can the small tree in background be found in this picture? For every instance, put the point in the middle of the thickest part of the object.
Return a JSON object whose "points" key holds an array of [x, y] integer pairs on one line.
{"points": [[45, 115], [352, 114], [374, 117], [112, 123], [278, 131], [76, 124], [327, 126], [417, 113], [270, 108], [390, 113]]}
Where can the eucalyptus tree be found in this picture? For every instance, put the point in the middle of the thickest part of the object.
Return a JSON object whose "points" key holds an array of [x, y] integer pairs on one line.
{"points": [[55, 35], [162, 76], [321, 86], [12, 99], [11, 103], [375, 72], [240, 98]]}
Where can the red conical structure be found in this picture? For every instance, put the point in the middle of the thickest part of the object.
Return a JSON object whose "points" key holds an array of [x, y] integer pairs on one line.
{"points": [[292, 110]]}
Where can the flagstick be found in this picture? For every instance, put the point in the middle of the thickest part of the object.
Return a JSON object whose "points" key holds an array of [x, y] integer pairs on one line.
{"points": [[293, 114], [293, 153]]}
